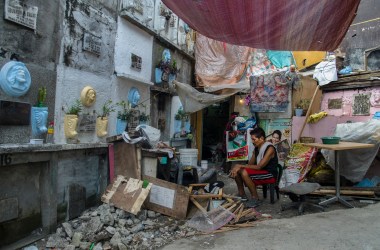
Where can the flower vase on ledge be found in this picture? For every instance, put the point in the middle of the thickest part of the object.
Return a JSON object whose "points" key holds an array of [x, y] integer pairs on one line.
{"points": [[121, 126]]}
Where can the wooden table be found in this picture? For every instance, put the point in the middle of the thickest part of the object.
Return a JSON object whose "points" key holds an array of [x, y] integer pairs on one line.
{"points": [[338, 147]]}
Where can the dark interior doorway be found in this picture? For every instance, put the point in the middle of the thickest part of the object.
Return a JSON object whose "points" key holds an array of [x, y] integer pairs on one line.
{"points": [[215, 118]]}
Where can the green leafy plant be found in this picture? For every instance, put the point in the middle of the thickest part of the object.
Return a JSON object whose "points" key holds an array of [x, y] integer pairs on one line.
{"points": [[143, 117], [41, 98], [107, 108], [75, 109], [167, 67], [181, 115], [126, 113]]}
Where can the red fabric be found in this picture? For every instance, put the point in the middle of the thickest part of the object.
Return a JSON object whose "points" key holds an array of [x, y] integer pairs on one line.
{"points": [[275, 24], [260, 177]]}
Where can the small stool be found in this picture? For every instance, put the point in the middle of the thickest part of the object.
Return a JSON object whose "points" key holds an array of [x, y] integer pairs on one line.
{"points": [[299, 191]]}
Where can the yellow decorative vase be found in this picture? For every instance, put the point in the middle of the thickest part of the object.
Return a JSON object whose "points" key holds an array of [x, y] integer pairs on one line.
{"points": [[70, 126], [101, 126]]}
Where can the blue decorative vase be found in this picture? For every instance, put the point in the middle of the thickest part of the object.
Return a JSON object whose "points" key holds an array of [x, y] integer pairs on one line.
{"points": [[177, 126], [39, 116], [187, 126], [121, 126], [158, 75], [171, 78]]}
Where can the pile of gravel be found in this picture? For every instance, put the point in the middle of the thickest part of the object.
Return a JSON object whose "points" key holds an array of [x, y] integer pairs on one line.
{"points": [[107, 227]]}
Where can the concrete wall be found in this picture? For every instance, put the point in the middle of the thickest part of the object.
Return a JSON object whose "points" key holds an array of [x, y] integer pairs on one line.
{"points": [[364, 33], [131, 39], [35, 182], [38, 50]]}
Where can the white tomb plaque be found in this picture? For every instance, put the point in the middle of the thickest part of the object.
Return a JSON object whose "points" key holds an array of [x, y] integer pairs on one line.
{"points": [[162, 196], [92, 43], [20, 13]]}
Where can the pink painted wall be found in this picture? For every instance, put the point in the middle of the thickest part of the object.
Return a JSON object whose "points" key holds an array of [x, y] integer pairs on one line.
{"points": [[347, 98], [326, 126]]}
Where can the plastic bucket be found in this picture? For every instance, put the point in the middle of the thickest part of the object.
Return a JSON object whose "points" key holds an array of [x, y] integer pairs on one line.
{"points": [[188, 156]]}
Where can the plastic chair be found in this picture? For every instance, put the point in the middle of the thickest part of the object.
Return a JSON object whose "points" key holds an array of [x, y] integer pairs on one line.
{"points": [[273, 185]]}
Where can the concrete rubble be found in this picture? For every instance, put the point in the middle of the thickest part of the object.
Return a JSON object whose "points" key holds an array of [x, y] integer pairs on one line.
{"points": [[107, 227]]}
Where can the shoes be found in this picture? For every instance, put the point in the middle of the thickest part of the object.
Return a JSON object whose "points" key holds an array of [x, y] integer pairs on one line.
{"points": [[243, 197], [253, 203]]}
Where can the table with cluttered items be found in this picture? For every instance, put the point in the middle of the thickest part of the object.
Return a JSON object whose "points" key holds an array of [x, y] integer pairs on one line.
{"points": [[342, 145]]}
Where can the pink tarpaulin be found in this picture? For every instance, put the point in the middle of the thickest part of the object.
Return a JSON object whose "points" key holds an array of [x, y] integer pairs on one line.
{"points": [[275, 24]]}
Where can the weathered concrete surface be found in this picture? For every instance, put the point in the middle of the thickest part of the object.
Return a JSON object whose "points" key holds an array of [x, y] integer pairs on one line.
{"points": [[356, 228]]}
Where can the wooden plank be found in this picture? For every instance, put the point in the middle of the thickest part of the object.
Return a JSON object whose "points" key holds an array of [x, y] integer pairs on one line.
{"points": [[171, 205], [199, 206], [343, 145], [345, 192], [127, 195], [308, 111], [126, 161]]}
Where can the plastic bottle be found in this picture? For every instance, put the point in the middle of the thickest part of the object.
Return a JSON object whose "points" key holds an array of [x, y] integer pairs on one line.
{"points": [[50, 133]]}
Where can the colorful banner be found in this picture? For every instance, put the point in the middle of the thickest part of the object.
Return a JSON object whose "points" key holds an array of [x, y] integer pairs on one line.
{"points": [[269, 93], [237, 146]]}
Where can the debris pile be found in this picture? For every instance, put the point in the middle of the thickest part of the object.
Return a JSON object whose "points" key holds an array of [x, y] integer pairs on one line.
{"points": [[107, 227]]}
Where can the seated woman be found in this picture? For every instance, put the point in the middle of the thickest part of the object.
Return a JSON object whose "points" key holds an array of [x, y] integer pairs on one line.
{"points": [[261, 167]]}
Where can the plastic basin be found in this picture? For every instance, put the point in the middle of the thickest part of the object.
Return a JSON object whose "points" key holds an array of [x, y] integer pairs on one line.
{"points": [[330, 140]]}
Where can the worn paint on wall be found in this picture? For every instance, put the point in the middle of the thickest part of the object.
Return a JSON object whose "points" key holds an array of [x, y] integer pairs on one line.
{"points": [[347, 97], [131, 39], [364, 33], [80, 19]]}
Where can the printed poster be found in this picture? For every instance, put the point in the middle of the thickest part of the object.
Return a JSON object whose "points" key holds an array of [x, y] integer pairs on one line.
{"points": [[269, 93], [237, 146]]}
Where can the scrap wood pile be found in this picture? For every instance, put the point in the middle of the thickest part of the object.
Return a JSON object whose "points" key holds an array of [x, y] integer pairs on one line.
{"points": [[223, 212]]}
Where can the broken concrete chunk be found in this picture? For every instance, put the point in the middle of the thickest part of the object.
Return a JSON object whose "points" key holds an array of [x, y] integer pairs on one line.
{"points": [[111, 230], [126, 240], [77, 237], [122, 246], [93, 226], [55, 241], [122, 222], [69, 247], [124, 232], [139, 227], [68, 229], [142, 215], [98, 246], [85, 245], [130, 222], [107, 218], [116, 239], [151, 214]]}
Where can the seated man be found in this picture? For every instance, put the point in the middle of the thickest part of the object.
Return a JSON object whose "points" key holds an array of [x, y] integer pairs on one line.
{"points": [[261, 166]]}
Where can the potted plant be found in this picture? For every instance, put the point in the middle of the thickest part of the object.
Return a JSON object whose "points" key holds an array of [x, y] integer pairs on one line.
{"points": [[39, 114], [181, 117], [123, 117], [102, 119], [173, 72], [302, 106], [71, 119], [143, 118]]}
